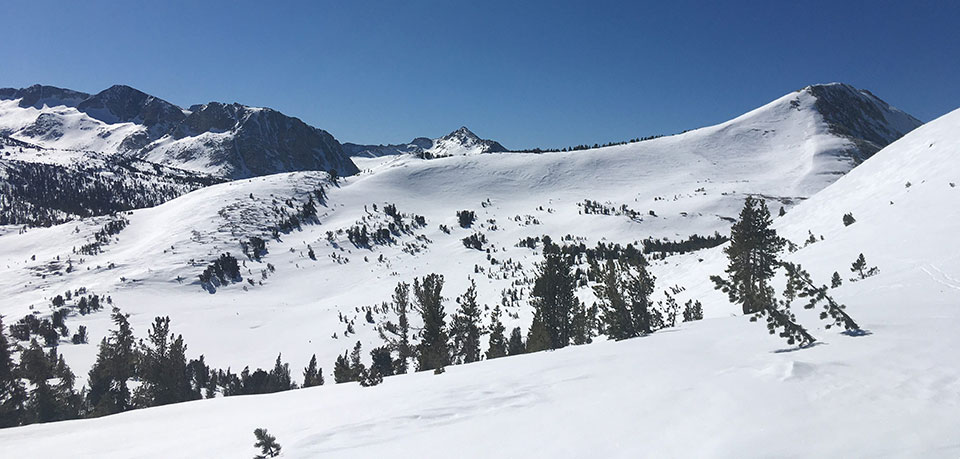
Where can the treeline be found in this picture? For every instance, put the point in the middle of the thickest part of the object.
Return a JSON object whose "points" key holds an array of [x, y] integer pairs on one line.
{"points": [[587, 147], [664, 247], [128, 374]]}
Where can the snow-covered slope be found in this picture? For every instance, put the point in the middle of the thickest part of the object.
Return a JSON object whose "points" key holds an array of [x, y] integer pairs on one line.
{"points": [[461, 142], [231, 141], [671, 187], [717, 388]]}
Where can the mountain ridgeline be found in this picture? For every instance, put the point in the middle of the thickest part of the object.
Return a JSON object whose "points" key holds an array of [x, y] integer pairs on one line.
{"points": [[231, 141], [64, 152], [462, 142]]}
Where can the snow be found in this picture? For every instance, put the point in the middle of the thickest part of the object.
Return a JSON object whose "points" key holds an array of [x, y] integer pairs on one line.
{"points": [[720, 387]]}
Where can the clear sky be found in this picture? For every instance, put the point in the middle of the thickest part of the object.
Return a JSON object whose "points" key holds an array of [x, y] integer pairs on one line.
{"points": [[526, 73]]}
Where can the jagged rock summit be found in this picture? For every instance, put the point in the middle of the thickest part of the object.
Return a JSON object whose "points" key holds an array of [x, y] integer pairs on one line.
{"points": [[226, 140]]}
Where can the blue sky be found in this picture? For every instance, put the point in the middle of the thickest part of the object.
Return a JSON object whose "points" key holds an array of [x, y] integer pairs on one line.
{"points": [[528, 74]]}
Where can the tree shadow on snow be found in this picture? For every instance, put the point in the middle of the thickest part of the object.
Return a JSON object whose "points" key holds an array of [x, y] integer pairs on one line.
{"points": [[795, 349], [857, 332]]}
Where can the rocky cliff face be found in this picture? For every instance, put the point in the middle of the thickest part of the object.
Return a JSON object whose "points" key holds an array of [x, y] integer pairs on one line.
{"points": [[858, 115], [240, 141]]}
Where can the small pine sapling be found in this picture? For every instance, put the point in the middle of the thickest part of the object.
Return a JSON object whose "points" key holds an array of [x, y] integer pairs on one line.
{"points": [[267, 443]]}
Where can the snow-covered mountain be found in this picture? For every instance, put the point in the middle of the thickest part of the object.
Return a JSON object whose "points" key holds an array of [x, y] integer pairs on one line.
{"points": [[230, 141], [461, 142], [685, 391], [308, 294], [671, 187]]}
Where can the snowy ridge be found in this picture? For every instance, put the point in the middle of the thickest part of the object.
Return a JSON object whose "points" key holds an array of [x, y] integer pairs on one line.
{"points": [[230, 141], [461, 142]]}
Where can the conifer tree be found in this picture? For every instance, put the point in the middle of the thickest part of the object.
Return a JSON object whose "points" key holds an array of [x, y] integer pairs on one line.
{"points": [[433, 349], [267, 443], [624, 293], [47, 401], [341, 370], [836, 281], [692, 310], [553, 300], [381, 361], [516, 346], [860, 268], [799, 281], [466, 330], [312, 376], [162, 368], [356, 365], [497, 346], [397, 335], [753, 258], [12, 392], [115, 365], [280, 378]]}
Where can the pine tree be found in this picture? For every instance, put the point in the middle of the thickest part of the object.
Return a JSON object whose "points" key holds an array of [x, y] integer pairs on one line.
{"points": [[47, 401], [553, 300], [280, 378], [162, 368], [267, 443], [115, 365], [433, 349], [799, 281], [581, 326], [341, 370], [497, 346], [466, 330], [692, 310], [397, 335], [12, 392], [624, 293], [753, 258], [860, 267], [516, 345], [381, 361], [835, 281], [356, 365], [312, 376]]}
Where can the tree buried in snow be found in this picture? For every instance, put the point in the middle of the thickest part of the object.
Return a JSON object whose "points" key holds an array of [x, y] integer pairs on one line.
{"points": [[267, 443]]}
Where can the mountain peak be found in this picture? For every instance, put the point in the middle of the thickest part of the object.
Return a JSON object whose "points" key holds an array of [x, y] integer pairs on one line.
{"points": [[858, 115], [39, 95]]}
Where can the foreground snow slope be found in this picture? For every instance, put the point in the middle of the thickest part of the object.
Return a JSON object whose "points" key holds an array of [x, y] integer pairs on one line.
{"points": [[716, 388]]}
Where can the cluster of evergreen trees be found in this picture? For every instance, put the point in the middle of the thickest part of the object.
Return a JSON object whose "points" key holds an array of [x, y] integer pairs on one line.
{"points": [[221, 271], [625, 310], [589, 207], [102, 236], [587, 147], [128, 374], [37, 194], [665, 247], [754, 259]]}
